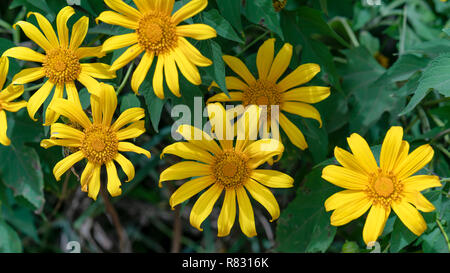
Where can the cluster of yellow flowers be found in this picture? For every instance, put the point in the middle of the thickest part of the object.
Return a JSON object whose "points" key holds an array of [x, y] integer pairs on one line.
{"points": [[229, 165]]}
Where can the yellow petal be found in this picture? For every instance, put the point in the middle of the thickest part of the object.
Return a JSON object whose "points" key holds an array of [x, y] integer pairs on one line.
{"points": [[14, 106], [239, 68], [234, 96], [403, 153], [141, 71], [94, 183], [227, 214], [308, 94], [24, 53], [264, 58], [128, 116], [362, 153], [299, 76], [121, 7], [390, 148], [350, 211], [302, 109], [345, 178], [98, 70], [120, 41], [51, 116], [410, 217], [183, 170], [347, 160], [38, 98], [113, 18], [220, 125], [126, 166], [414, 161], [194, 55], [199, 138], [189, 189], [419, 201], [196, 31], [86, 52], [158, 78], [188, 151], [114, 183], [108, 101], [48, 143], [420, 182], [61, 25], [164, 6], [294, 134], [34, 34], [29, 75], [262, 150], [130, 54], [11, 92], [343, 198], [71, 111], [233, 83], [4, 68], [136, 129], [62, 166], [130, 147], [272, 178], [4, 140], [86, 176], [144, 5], [374, 224], [265, 197], [204, 205], [280, 63], [91, 84], [187, 11], [187, 68], [59, 130], [79, 31], [246, 217], [46, 28], [171, 75]]}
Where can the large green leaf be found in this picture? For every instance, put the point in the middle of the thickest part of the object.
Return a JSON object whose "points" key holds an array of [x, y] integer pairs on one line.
{"points": [[9, 240], [231, 10], [262, 11], [221, 25]]}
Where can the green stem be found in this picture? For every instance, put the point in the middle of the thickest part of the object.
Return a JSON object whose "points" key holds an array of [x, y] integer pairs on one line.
{"points": [[434, 102], [253, 42], [443, 233], [125, 79], [32, 88]]}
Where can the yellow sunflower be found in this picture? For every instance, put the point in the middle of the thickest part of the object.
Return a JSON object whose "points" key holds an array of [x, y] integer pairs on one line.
{"points": [[60, 65], [228, 166], [391, 185], [267, 90], [156, 31], [7, 96], [99, 142]]}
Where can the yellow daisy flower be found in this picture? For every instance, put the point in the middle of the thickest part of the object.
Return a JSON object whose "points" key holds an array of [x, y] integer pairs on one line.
{"points": [[380, 188], [98, 142], [267, 90], [157, 33], [60, 65], [7, 96], [225, 167]]}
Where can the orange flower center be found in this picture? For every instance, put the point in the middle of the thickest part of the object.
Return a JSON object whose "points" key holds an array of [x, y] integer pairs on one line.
{"points": [[61, 65], [263, 93], [100, 144], [384, 188], [230, 169], [157, 33]]}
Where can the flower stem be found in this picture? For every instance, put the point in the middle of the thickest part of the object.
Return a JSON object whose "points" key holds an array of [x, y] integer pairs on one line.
{"points": [[34, 87], [443, 233], [125, 79], [253, 42]]}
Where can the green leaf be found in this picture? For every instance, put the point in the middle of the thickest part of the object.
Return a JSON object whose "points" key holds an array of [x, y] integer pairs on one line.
{"points": [[401, 236], [9, 240], [221, 25], [216, 71], [434, 77], [128, 101], [231, 10], [263, 10], [304, 226], [154, 104]]}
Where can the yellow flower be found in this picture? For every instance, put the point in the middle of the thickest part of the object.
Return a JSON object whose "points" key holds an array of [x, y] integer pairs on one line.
{"points": [[226, 167], [391, 185], [98, 142], [266, 90], [157, 33], [7, 96], [60, 64]]}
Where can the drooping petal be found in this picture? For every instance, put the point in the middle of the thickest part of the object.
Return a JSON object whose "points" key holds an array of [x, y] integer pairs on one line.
{"points": [[187, 11], [61, 25], [246, 216], [91, 84], [59, 130], [188, 151], [130, 147], [113, 18], [199, 138], [193, 53], [345, 178], [130, 54], [46, 28], [419, 201], [141, 71], [189, 189], [362, 153], [24, 53], [264, 58], [308, 94], [302, 109], [86, 176], [239, 68], [262, 150], [34, 34], [38, 98], [79, 31], [11, 92], [4, 140], [183, 170], [272, 178], [232, 83], [294, 134], [374, 224], [171, 74], [126, 166], [390, 148], [234, 96], [121, 7], [410, 217], [94, 182], [113, 184], [98, 70], [415, 161], [158, 78], [48, 143], [28, 75], [134, 130], [343, 198], [227, 214], [265, 197], [350, 211], [14, 106], [196, 31], [120, 41], [71, 111], [280, 63], [204, 205], [301, 75], [4, 68], [187, 68], [128, 116], [50, 115], [62, 166]]}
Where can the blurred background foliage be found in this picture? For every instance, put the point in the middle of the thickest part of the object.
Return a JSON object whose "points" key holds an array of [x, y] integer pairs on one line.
{"points": [[387, 65]]}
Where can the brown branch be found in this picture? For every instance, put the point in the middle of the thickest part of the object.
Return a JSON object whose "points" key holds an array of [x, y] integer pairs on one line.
{"points": [[177, 228]]}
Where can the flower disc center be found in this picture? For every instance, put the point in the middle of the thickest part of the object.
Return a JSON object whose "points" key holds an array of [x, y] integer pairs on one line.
{"points": [[156, 33], [61, 65], [230, 169], [100, 144], [384, 186]]}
